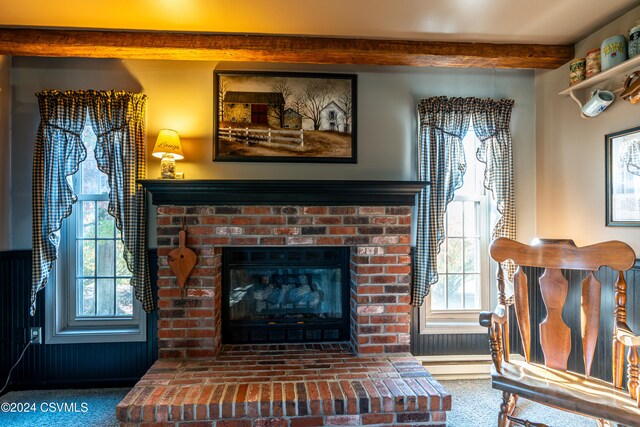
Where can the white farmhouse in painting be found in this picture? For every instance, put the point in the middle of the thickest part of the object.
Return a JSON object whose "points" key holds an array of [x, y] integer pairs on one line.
{"points": [[332, 117]]}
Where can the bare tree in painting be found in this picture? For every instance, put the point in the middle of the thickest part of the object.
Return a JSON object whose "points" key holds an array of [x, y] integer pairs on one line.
{"points": [[223, 87], [297, 103], [316, 95], [277, 109], [346, 103]]}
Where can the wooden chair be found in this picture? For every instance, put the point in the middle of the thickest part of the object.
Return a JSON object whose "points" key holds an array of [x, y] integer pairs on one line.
{"points": [[552, 383]]}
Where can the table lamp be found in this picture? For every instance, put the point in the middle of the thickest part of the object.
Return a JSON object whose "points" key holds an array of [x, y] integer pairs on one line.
{"points": [[169, 149]]}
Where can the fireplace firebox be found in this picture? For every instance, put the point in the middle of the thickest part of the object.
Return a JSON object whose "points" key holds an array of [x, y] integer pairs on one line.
{"points": [[284, 295]]}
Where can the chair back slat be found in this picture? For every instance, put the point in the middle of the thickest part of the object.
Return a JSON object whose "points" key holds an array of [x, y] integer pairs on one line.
{"points": [[555, 335], [521, 295], [590, 319]]}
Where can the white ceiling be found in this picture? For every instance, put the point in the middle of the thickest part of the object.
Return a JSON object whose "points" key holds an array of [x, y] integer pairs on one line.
{"points": [[518, 21]]}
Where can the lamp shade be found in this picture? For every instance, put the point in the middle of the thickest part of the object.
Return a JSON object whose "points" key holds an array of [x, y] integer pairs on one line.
{"points": [[168, 142]]}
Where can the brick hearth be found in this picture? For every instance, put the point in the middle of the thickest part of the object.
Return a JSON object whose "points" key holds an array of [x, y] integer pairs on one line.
{"points": [[372, 379], [287, 385]]}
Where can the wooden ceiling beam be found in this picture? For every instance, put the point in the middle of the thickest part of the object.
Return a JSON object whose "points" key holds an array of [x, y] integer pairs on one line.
{"points": [[273, 48]]}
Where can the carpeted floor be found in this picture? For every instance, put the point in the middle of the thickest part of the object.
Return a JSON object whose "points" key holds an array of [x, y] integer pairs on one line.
{"points": [[86, 408], [474, 404]]}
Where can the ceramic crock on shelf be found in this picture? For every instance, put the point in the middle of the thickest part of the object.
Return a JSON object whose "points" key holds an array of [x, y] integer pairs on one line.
{"points": [[613, 51], [577, 71], [593, 62]]}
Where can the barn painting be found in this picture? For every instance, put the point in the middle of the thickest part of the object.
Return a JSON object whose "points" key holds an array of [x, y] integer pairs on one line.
{"points": [[259, 108], [285, 117]]}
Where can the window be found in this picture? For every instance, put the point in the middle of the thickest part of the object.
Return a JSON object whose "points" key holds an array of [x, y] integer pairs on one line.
{"points": [[93, 300], [464, 276]]}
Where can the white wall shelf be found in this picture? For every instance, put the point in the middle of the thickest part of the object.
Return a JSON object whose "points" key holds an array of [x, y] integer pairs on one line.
{"points": [[611, 79]]}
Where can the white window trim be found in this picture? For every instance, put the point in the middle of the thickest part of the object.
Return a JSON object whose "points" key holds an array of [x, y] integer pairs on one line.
{"points": [[467, 321], [59, 329], [62, 325]]}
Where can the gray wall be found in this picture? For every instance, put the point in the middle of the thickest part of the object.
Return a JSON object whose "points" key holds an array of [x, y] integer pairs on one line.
{"points": [[181, 97], [570, 153], [5, 153]]}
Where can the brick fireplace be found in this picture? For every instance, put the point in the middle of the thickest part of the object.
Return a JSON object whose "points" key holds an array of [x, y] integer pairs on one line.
{"points": [[312, 384]]}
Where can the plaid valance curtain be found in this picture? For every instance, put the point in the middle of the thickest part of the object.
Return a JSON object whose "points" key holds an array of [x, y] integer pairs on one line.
{"points": [[117, 119], [443, 123]]}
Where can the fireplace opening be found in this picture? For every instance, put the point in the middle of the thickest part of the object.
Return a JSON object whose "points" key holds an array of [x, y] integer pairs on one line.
{"points": [[283, 295]]}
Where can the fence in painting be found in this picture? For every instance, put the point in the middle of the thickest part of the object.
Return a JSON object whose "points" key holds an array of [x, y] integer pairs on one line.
{"points": [[287, 138]]}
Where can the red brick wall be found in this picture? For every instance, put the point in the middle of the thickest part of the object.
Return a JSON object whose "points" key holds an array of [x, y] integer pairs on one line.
{"points": [[379, 238]]}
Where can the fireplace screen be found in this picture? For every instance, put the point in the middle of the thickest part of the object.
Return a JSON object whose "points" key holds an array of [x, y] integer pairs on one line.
{"points": [[285, 294]]}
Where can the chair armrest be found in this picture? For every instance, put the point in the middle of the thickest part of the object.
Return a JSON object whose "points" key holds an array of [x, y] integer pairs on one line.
{"points": [[624, 334], [492, 321], [489, 318]]}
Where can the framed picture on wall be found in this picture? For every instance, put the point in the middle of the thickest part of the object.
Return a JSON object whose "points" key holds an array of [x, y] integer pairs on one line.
{"points": [[285, 117], [623, 178]]}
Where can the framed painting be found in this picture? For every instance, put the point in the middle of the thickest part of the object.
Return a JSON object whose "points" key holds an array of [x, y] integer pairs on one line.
{"points": [[623, 178], [285, 117]]}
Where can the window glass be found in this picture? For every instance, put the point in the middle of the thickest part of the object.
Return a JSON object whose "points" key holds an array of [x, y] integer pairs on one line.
{"points": [[101, 275], [459, 285]]}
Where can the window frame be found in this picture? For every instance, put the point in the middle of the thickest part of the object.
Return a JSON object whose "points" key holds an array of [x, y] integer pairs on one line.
{"points": [[466, 321], [63, 325]]}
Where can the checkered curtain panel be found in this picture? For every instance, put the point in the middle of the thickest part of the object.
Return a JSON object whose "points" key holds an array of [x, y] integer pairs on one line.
{"points": [[117, 119], [58, 151], [491, 119], [443, 122]]}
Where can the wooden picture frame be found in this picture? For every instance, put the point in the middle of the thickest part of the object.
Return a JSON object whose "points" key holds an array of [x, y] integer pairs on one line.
{"points": [[285, 117], [622, 156]]}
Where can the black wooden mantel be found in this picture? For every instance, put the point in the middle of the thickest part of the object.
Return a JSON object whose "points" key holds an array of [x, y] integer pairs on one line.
{"points": [[294, 192]]}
